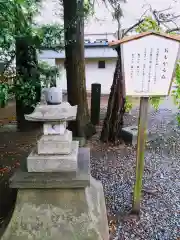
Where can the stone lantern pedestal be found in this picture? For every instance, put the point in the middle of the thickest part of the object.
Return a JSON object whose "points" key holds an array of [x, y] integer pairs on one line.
{"points": [[57, 197]]}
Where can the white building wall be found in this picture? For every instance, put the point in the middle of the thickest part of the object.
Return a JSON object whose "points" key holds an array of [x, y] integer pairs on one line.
{"points": [[103, 76], [93, 74]]}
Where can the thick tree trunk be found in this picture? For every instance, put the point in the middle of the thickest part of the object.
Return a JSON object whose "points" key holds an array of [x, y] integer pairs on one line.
{"points": [[75, 67], [26, 69], [113, 121]]}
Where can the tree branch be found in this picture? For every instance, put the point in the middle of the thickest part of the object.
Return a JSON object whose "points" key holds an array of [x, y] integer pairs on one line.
{"points": [[133, 26], [160, 17], [156, 17], [173, 30]]}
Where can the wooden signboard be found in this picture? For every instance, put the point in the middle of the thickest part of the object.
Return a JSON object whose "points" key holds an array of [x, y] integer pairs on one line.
{"points": [[149, 61]]}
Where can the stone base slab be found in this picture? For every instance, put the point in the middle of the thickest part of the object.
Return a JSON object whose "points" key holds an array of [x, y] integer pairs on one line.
{"points": [[78, 179], [55, 214], [55, 144], [130, 134], [53, 163]]}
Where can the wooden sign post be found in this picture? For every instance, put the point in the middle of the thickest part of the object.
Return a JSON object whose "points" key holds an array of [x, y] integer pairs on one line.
{"points": [[141, 141], [148, 67]]}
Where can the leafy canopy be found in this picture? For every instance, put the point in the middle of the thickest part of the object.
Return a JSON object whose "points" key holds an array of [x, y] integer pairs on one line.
{"points": [[17, 20]]}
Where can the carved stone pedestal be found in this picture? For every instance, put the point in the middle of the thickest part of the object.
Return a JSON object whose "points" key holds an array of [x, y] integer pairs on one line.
{"points": [[55, 206]]}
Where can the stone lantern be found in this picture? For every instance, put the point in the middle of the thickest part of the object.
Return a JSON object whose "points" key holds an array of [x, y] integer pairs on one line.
{"points": [[57, 197]]}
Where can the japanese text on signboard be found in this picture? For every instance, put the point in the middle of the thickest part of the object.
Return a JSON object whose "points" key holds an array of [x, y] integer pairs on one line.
{"points": [[148, 69]]}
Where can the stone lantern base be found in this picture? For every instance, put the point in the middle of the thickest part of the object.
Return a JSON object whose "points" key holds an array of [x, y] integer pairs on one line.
{"points": [[55, 206]]}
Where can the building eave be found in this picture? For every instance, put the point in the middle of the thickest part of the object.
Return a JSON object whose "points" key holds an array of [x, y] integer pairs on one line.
{"points": [[86, 45], [90, 53]]}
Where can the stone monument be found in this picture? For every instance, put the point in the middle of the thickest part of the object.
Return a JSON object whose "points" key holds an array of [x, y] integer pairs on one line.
{"points": [[57, 197]]}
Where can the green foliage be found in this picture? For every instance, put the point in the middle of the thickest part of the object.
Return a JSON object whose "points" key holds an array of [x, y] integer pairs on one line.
{"points": [[25, 91], [4, 93], [155, 101], [27, 82], [48, 74], [88, 8], [51, 36], [16, 18], [128, 105], [176, 92], [149, 24]]}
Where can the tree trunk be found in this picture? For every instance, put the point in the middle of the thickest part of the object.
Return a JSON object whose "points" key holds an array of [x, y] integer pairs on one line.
{"points": [[75, 67], [113, 121], [27, 69]]}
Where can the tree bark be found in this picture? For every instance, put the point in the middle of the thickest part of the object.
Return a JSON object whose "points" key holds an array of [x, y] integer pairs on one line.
{"points": [[113, 121], [75, 67]]}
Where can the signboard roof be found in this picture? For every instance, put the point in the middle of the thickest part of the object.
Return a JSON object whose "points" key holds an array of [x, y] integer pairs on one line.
{"points": [[174, 37]]}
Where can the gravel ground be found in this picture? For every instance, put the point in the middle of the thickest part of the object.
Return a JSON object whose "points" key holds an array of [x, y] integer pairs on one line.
{"points": [[115, 167]]}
